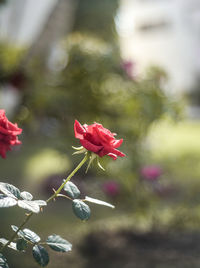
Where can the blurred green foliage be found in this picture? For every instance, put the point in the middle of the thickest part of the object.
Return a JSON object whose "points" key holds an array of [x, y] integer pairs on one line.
{"points": [[90, 82], [97, 18], [95, 86], [10, 56]]}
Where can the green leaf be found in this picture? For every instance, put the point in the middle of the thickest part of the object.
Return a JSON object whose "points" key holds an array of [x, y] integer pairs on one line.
{"points": [[40, 255], [3, 262], [27, 234], [3, 241], [12, 245], [40, 202], [29, 205], [81, 210], [31, 236], [9, 190], [7, 201], [57, 243], [15, 228], [26, 196], [21, 244], [99, 202], [72, 190]]}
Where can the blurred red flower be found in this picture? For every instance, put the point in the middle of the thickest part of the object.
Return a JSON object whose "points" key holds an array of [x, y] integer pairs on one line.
{"points": [[151, 172], [129, 67], [97, 139], [111, 188], [8, 134]]}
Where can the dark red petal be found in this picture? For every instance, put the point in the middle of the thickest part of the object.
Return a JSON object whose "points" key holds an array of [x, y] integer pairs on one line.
{"points": [[79, 130], [116, 143], [114, 156], [103, 152], [117, 152], [15, 131], [110, 149], [104, 134], [5, 131], [14, 128], [90, 147]]}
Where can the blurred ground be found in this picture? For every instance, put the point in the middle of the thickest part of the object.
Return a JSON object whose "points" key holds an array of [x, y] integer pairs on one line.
{"points": [[130, 249]]}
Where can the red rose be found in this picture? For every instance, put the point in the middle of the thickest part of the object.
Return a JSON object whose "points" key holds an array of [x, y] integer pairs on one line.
{"points": [[97, 139], [8, 134]]}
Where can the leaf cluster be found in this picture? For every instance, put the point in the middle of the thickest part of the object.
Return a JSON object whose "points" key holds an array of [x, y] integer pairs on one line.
{"points": [[40, 254], [11, 196], [79, 207]]}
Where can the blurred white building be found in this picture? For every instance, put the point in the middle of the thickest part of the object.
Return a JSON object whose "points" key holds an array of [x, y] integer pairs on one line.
{"points": [[35, 23], [22, 20], [164, 33], [38, 25]]}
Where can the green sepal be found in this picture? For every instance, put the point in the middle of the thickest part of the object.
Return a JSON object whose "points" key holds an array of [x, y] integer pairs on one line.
{"points": [[91, 159], [99, 164]]}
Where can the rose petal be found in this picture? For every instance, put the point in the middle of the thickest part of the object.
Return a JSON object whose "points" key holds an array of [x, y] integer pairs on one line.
{"points": [[106, 136], [110, 149], [14, 127], [116, 143], [7, 131], [79, 130], [103, 152], [8, 134], [114, 156], [90, 147], [117, 152]]}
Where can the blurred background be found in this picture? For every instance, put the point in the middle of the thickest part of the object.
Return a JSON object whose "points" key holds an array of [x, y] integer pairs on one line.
{"points": [[133, 66]]}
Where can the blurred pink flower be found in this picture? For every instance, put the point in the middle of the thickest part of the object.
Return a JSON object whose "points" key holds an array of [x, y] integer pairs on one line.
{"points": [[128, 67], [151, 172], [111, 188]]}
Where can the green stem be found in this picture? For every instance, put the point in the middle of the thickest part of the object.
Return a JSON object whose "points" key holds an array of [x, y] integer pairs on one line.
{"points": [[68, 178], [48, 200], [15, 233]]}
